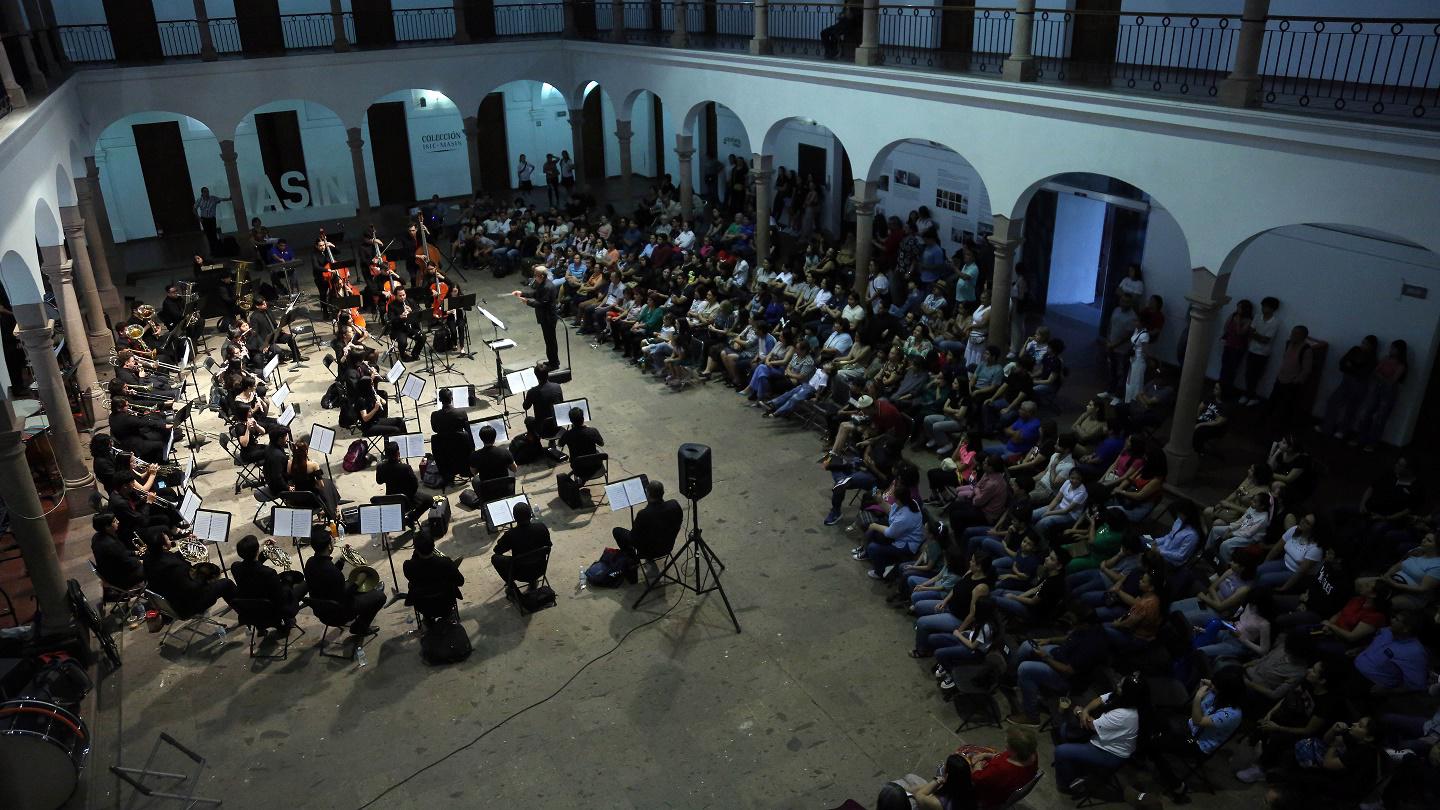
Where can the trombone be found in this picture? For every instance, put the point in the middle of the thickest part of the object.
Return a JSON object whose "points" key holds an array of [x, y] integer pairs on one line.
{"points": [[145, 362]]}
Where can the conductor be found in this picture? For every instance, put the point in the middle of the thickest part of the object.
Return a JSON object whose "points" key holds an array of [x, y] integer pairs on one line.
{"points": [[542, 298], [655, 528]]}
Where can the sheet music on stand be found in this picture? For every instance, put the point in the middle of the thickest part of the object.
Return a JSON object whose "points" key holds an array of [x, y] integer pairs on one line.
{"points": [[412, 445], [189, 505], [502, 512], [281, 394], [188, 471], [292, 522], [414, 388], [286, 416], [384, 518], [494, 321], [322, 439], [394, 373], [627, 494], [270, 367], [501, 344], [521, 381], [502, 434], [185, 355], [213, 527], [460, 395], [562, 410]]}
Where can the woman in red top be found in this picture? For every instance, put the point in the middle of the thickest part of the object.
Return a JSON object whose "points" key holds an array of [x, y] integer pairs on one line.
{"points": [[987, 503], [996, 777], [1234, 342]]}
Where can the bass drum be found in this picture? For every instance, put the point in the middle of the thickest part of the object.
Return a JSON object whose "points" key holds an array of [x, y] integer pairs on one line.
{"points": [[42, 750]]}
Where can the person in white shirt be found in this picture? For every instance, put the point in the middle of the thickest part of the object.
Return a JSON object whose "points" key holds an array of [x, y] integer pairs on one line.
{"points": [[1262, 342], [685, 239], [878, 286], [790, 400], [1225, 539], [853, 311], [1114, 718], [1057, 469], [838, 343], [524, 171], [1065, 508]]}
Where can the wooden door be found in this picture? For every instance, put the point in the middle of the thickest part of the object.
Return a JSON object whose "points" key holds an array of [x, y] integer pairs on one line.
{"points": [[281, 150], [259, 24], [480, 19], [1095, 33], [374, 23], [390, 149], [494, 147], [161, 151], [133, 32], [658, 134], [592, 136], [957, 26]]}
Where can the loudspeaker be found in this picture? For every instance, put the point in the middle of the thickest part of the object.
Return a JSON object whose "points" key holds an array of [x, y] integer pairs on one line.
{"points": [[694, 470]]}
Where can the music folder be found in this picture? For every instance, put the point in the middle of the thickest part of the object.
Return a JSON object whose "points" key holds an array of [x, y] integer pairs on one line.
{"points": [[413, 388], [282, 393], [502, 512], [500, 345], [502, 433], [394, 373], [461, 394], [490, 316], [270, 367], [627, 493], [521, 381], [322, 439], [189, 505], [562, 411], [214, 527], [292, 522], [412, 445], [384, 518]]}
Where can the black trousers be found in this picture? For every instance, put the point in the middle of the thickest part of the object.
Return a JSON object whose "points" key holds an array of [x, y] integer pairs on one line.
{"points": [[212, 234], [552, 349], [366, 605], [638, 548], [504, 566]]}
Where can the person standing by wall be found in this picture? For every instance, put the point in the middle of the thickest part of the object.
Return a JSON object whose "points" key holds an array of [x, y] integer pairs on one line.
{"points": [[1263, 331], [1296, 366], [552, 180], [205, 210]]}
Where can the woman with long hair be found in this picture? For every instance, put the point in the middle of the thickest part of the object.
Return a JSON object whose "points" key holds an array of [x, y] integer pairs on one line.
{"points": [[1108, 732]]}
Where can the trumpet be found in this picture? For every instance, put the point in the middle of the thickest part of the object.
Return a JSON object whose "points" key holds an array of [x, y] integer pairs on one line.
{"points": [[278, 557]]}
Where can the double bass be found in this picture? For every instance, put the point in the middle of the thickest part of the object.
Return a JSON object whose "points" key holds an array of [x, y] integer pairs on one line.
{"points": [[427, 256]]}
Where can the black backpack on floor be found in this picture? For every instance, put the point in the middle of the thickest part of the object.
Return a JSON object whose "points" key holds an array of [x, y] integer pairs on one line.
{"points": [[446, 642]]}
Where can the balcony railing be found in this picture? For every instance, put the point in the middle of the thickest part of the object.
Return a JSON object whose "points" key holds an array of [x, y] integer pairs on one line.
{"points": [[1369, 67]]}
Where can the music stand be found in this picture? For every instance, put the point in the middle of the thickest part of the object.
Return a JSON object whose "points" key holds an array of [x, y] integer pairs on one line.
{"points": [[380, 520], [707, 578], [404, 502], [322, 441], [213, 527]]}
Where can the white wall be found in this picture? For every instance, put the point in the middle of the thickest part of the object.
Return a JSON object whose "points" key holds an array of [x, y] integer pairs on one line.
{"points": [[329, 173], [124, 185], [1075, 257], [939, 169], [785, 146], [731, 140], [536, 123], [440, 167]]}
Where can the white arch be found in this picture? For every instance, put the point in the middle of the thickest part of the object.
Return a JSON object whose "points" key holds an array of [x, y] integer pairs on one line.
{"points": [[64, 187], [21, 281], [47, 224]]}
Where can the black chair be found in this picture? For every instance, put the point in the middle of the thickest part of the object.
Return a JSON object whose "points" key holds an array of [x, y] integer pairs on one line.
{"points": [[259, 615], [976, 693], [550, 434], [308, 500], [120, 599], [432, 607], [492, 490], [818, 411], [530, 567], [247, 474], [588, 469], [334, 617], [262, 497]]}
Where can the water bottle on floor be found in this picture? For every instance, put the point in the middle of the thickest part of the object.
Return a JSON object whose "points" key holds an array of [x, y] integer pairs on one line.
{"points": [[361, 660], [581, 585]]}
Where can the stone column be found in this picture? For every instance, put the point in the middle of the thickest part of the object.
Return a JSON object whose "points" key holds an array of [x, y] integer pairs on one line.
{"points": [[11, 9], [868, 51], [685, 150], [865, 200], [32, 531], [1005, 239], [362, 188], [237, 191], [207, 40], [57, 269], [760, 40], [617, 21], [1207, 298], [7, 77], [38, 27], [1242, 87], [622, 134], [97, 331], [1020, 65], [761, 171], [38, 336], [462, 30], [472, 148], [577, 141], [337, 17], [101, 239], [680, 34]]}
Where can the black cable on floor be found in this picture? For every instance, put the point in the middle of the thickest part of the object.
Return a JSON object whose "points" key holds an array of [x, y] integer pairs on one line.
{"points": [[516, 714]]}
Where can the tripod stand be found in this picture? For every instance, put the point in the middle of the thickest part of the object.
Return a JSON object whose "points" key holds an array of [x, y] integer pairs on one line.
{"points": [[707, 576]]}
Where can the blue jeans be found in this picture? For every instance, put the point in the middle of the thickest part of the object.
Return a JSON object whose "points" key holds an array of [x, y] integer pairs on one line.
{"points": [[1196, 614], [917, 597], [1227, 648], [1270, 575], [790, 400], [1048, 523], [882, 555], [858, 480], [1123, 640], [933, 625], [955, 655], [1086, 581], [1006, 603], [760, 380], [1074, 760], [1032, 676], [1136, 511], [978, 539]]}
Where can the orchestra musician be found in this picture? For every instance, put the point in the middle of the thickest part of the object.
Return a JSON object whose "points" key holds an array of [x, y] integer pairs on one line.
{"points": [[276, 465], [450, 438], [433, 580], [247, 435], [187, 588], [346, 317], [174, 316], [320, 260], [541, 401], [526, 536], [247, 405], [118, 562], [327, 582], [373, 408], [404, 323], [145, 436], [130, 373], [233, 378], [242, 342], [345, 342], [654, 530], [399, 478], [304, 474], [279, 253], [259, 238], [541, 298], [267, 332], [256, 580], [229, 300]]}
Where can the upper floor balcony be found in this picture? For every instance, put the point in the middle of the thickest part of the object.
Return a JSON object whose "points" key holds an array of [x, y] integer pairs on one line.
{"points": [[1380, 68]]}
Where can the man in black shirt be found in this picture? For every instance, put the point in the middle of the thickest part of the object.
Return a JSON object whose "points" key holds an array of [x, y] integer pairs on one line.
{"points": [[1057, 664], [582, 440], [326, 582], [276, 463], [115, 560], [434, 580], [541, 401], [256, 580], [541, 298], [527, 536], [490, 463], [399, 478], [655, 528], [168, 574], [450, 437], [145, 436]]}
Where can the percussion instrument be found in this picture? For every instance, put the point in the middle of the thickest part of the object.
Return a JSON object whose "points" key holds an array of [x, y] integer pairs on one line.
{"points": [[43, 748]]}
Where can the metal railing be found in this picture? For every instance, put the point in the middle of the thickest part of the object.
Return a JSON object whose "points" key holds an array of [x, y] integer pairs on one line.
{"points": [[1357, 66]]}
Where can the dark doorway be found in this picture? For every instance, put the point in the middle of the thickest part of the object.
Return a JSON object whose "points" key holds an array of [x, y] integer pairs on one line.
{"points": [[957, 31], [374, 23], [1121, 240], [810, 162], [494, 147], [161, 151], [592, 136], [711, 22], [281, 150], [657, 129], [585, 20], [480, 19], [133, 32], [1097, 30], [260, 31], [656, 9], [390, 150]]}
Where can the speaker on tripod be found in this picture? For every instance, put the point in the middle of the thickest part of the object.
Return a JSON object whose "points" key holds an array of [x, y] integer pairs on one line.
{"points": [[694, 470]]}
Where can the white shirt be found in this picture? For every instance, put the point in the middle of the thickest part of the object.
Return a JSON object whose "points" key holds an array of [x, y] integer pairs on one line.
{"points": [[1072, 498], [853, 313], [1117, 731], [1264, 328], [878, 285], [818, 380], [1133, 287], [685, 239], [1297, 551]]}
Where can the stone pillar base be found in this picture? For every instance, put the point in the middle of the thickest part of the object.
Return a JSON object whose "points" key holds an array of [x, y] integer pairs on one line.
{"points": [[1019, 70], [1239, 92], [868, 55], [760, 46], [1182, 465], [80, 499]]}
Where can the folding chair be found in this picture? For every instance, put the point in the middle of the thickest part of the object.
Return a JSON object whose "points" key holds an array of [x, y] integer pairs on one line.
{"points": [[333, 617], [1021, 792], [818, 411], [246, 474], [1192, 771], [178, 624], [259, 615], [1101, 787], [977, 696], [120, 599], [262, 497], [532, 568], [599, 469]]}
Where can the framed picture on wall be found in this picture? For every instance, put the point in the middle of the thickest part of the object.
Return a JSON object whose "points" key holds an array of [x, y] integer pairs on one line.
{"points": [[907, 178], [952, 201]]}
